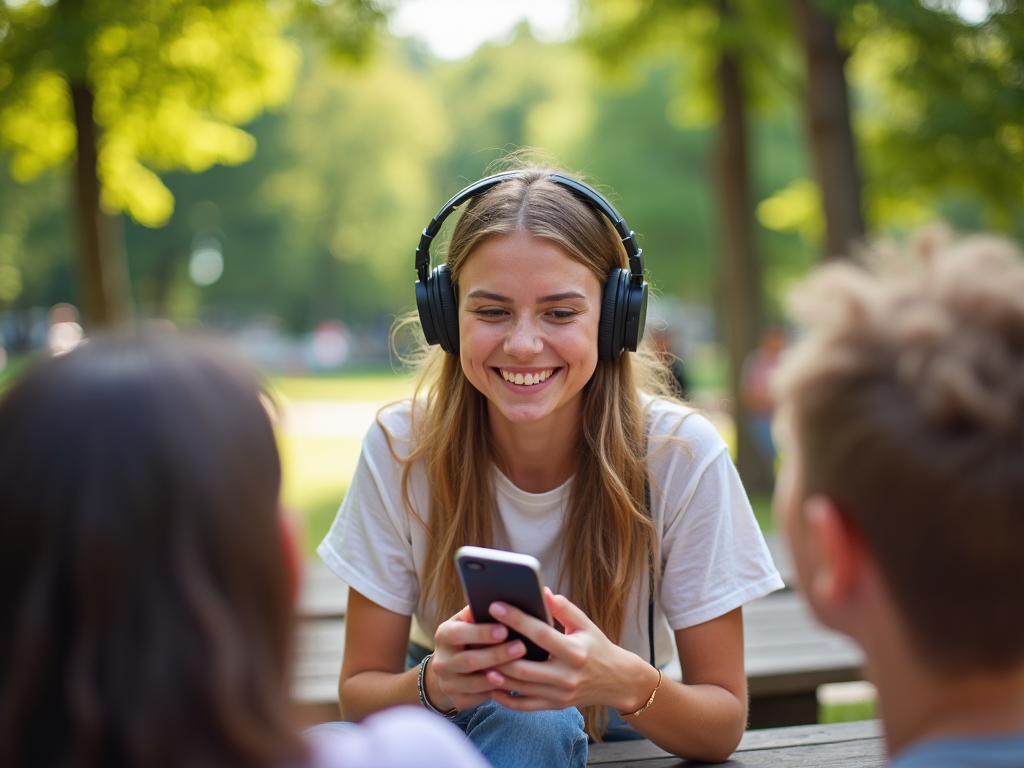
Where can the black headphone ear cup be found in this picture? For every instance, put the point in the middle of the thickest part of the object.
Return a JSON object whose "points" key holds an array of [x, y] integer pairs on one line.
{"points": [[446, 307], [423, 308], [609, 335]]}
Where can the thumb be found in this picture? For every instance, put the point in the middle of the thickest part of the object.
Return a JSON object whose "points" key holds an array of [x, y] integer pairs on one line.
{"points": [[566, 613]]}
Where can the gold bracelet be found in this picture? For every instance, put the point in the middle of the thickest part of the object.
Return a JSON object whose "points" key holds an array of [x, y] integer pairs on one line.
{"points": [[649, 701]]}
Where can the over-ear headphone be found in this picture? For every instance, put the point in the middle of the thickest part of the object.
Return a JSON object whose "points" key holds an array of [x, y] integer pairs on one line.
{"points": [[624, 298]]}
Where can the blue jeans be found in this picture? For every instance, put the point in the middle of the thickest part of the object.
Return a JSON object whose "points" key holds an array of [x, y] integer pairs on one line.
{"points": [[510, 739]]}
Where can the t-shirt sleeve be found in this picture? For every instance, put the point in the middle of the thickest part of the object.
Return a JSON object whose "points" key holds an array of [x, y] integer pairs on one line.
{"points": [[369, 544], [714, 557], [396, 738]]}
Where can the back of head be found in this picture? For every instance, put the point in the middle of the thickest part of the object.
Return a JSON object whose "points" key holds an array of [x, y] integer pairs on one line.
{"points": [[907, 397], [145, 604]]}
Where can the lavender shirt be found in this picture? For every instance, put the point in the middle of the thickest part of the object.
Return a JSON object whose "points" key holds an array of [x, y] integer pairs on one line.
{"points": [[394, 738]]}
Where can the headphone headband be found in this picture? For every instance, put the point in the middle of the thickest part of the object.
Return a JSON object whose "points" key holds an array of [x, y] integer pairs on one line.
{"points": [[624, 294], [579, 189]]}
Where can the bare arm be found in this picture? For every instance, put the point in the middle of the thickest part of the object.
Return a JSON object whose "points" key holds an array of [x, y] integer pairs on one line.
{"points": [[372, 672], [705, 717]]}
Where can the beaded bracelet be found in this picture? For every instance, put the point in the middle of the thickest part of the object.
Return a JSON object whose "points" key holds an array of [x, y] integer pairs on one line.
{"points": [[423, 691], [649, 701]]}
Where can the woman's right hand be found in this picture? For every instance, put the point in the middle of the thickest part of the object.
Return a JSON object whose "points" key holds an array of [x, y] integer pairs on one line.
{"points": [[456, 676]]}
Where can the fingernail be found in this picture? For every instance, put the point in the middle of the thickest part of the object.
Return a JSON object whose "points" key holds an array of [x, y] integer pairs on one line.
{"points": [[499, 632], [497, 609], [495, 678], [516, 648]]}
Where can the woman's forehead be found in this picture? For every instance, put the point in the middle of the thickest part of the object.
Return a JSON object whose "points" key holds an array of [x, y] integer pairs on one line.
{"points": [[525, 265]]}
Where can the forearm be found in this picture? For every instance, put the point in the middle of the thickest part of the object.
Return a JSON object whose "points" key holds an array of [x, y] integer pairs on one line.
{"points": [[703, 722], [367, 692]]}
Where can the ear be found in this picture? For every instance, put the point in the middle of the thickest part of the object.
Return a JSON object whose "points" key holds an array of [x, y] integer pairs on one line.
{"points": [[288, 526], [841, 554]]}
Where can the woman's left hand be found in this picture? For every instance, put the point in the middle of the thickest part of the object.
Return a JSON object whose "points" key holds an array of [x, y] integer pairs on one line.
{"points": [[584, 667]]}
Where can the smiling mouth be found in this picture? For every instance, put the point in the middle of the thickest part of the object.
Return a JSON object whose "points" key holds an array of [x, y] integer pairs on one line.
{"points": [[527, 379]]}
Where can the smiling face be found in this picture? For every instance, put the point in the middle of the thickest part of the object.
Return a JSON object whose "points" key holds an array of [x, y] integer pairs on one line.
{"points": [[528, 324]]}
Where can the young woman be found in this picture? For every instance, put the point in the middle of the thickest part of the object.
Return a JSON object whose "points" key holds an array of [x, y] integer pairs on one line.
{"points": [[146, 579], [537, 429]]}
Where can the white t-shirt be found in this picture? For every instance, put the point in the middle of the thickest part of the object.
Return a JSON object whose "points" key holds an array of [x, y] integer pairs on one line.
{"points": [[713, 556]]}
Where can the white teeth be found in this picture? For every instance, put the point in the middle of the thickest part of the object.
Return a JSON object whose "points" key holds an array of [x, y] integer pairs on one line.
{"points": [[528, 379]]}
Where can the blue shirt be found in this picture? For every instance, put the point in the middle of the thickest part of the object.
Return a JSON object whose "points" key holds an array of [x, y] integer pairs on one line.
{"points": [[1002, 751]]}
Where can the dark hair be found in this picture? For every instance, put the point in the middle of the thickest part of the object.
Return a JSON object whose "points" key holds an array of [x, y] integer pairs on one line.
{"points": [[145, 595], [907, 396]]}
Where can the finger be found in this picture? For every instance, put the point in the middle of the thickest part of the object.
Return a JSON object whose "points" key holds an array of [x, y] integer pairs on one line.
{"points": [[500, 682], [569, 615], [543, 672], [544, 635], [477, 659], [460, 633]]}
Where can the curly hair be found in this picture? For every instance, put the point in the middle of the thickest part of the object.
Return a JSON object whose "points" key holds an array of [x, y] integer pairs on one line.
{"points": [[907, 400]]}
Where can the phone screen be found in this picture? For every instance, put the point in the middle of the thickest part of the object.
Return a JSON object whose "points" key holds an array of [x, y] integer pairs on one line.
{"points": [[493, 575]]}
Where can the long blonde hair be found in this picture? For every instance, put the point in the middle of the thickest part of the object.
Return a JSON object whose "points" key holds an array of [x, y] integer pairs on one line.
{"points": [[607, 557]]}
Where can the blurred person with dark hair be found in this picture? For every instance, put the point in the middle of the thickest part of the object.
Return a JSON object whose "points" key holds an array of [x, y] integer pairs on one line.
{"points": [[147, 580], [902, 489]]}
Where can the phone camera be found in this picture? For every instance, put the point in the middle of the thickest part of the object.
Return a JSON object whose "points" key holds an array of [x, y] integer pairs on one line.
{"points": [[475, 566]]}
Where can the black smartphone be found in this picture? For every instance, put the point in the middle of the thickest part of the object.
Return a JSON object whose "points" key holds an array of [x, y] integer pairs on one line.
{"points": [[493, 575]]}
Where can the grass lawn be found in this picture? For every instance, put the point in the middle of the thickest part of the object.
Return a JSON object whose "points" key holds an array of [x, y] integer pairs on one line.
{"points": [[318, 465], [383, 385]]}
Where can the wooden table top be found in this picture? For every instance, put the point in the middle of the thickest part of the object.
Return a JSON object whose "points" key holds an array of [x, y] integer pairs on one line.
{"points": [[850, 745], [786, 650]]}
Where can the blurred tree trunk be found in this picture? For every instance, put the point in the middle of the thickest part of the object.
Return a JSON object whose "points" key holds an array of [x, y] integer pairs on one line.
{"points": [[829, 131], [106, 296], [739, 271]]}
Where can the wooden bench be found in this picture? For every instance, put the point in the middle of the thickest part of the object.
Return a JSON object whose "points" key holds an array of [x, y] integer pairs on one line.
{"points": [[851, 745], [787, 654]]}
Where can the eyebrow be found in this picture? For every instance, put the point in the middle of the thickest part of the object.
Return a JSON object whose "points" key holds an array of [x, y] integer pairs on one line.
{"points": [[480, 293]]}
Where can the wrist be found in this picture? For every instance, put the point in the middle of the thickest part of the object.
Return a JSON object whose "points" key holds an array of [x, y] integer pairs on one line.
{"points": [[436, 697], [643, 680]]}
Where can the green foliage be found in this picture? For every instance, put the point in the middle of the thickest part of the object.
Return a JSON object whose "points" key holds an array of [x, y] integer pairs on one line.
{"points": [[172, 82], [322, 220], [360, 180], [942, 114]]}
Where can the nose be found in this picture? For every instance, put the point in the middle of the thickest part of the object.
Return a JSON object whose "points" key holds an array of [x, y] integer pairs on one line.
{"points": [[523, 339]]}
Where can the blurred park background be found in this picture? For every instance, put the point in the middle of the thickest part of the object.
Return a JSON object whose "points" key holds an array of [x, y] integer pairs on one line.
{"points": [[261, 169]]}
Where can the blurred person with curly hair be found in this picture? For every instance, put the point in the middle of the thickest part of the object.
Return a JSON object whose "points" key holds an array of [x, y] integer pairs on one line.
{"points": [[902, 488]]}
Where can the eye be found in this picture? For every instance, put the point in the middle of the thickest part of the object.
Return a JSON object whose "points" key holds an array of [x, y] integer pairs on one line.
{"points": [[489, 312], [563, 314]]}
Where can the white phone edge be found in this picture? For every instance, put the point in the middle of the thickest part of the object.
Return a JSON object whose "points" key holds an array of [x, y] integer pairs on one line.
{"points": [[511, 558]]}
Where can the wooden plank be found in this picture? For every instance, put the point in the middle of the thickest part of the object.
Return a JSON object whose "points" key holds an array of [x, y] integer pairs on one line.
{"points": [[322, 595], [844, 744], [798, 661]]}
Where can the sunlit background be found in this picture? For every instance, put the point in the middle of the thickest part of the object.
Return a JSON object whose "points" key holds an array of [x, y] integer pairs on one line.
{"points": [[263, 169]]}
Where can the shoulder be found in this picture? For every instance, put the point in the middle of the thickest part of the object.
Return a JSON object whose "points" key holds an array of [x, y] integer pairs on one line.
{"points": [[670, 423], [393, 430], [396, 738]]}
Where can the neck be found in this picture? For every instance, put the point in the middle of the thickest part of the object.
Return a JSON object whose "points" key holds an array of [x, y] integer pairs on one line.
{"points": [[537, 456], [917, 703]]}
